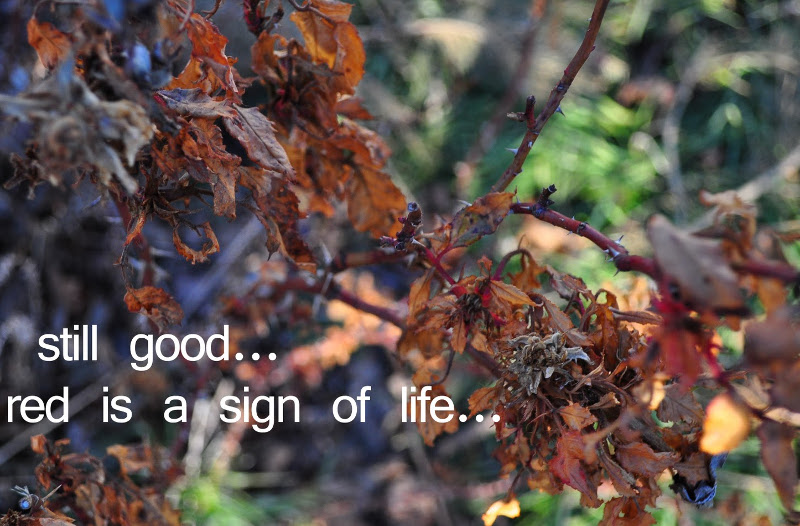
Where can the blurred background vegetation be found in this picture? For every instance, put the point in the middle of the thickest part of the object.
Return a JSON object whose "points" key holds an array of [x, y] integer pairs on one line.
{"points": [[679, 96]]}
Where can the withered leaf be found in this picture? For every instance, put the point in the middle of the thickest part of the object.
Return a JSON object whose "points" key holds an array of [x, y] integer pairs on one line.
{"points": [[334, 42], [373, 201], [430, 429], [482, 399], [623, 481], [155, 303], [193, 103], [50, 44], [420, 293], [568, 465], [774, 340], [561, 322], [576, 416], [640, 458], [504, 293], [197, 256], [624, 511], [479, 219], [694, 468], [678, 405], [256, 133], [697, 265], [779, 458], [208, 46]]}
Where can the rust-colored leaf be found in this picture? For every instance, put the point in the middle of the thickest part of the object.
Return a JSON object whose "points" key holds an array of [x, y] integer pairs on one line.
{"points": [[208, 46], [333, 42], [373, 201], [257, 134], [156, 304], [576, 416], [458, 340], [624, 511], [430, 428], [508, 294], [420, 293], [779, 458], [561, 322], [678, 405], [640, 458], [697, 265], [568, 465], [197, 256], [50, 44], [727, 423], [482, 399]]}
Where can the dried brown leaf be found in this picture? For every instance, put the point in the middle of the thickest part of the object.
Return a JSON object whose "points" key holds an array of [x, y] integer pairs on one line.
{"points": [[697, 265]]}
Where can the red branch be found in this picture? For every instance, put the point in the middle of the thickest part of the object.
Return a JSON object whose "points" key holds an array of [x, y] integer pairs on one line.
{"points": [[346, 261], [622, 259], [554, 101], [333, 291], [769, 269]]}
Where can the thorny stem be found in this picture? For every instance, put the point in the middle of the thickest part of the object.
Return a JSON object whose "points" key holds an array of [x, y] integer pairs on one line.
{"points": [[618, 253], [556, 96]]}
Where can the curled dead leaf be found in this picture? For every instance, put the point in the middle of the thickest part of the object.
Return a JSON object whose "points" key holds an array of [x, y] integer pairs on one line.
{"points": [[155, 303], [697, 266]]}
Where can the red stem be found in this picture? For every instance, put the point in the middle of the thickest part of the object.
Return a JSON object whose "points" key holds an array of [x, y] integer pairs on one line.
{"points": [[618, 253], [334, 292], [434, 261], [768, 269]]}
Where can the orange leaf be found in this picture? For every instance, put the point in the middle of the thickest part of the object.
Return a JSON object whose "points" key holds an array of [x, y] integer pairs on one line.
{"points": [[482, 399], [208, 46], [458, 340], [373, 201], [50, 44], [576, 416], [727, 423], [156, 304], [197, 256], [505, 293], [501, 507], [333, 42], [420, 293]]}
